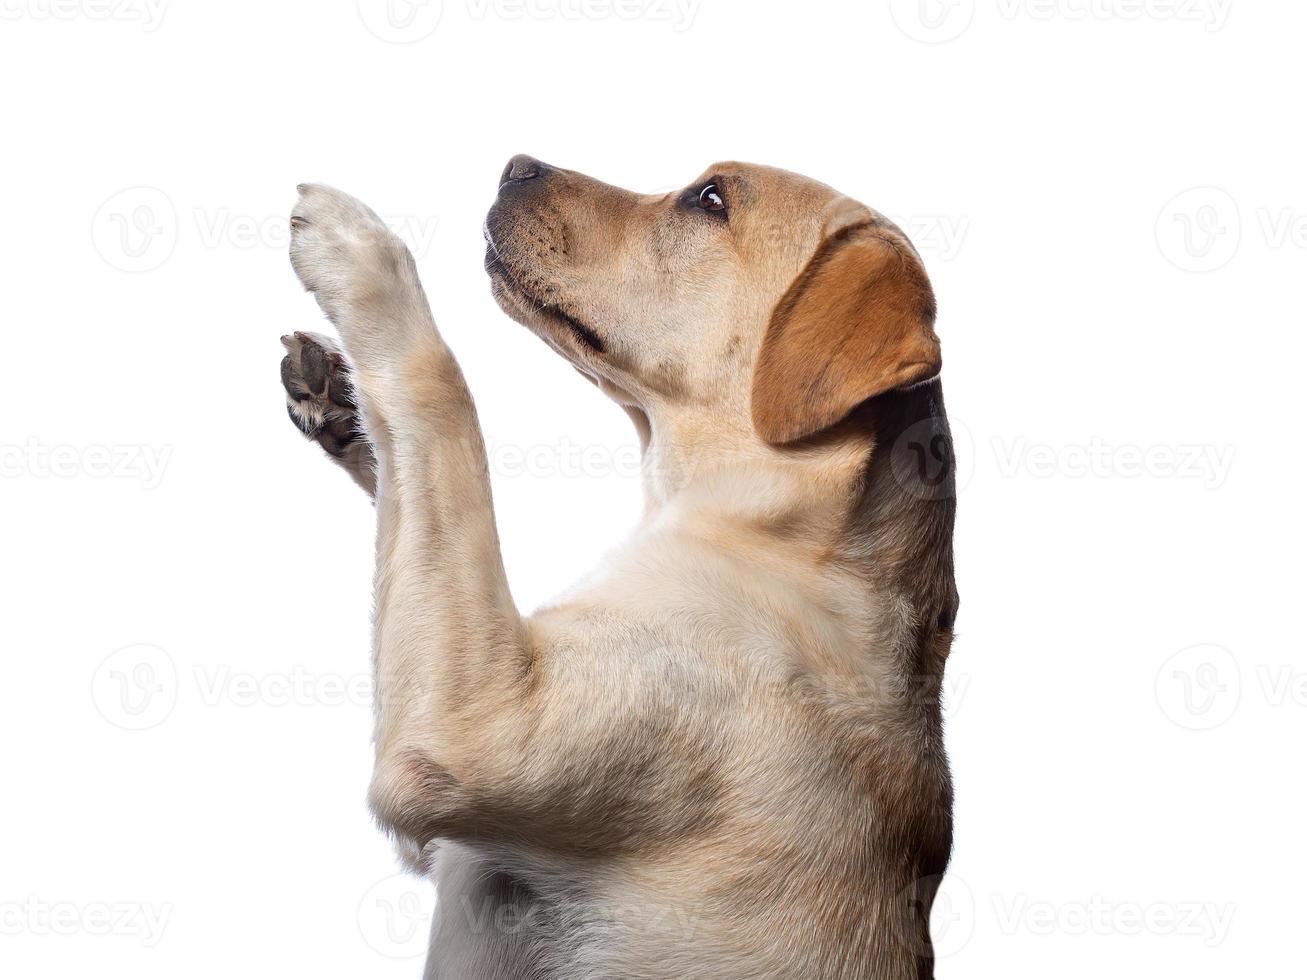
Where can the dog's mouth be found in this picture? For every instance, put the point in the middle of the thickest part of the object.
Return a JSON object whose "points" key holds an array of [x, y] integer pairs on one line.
{"points": [[527, 306]]}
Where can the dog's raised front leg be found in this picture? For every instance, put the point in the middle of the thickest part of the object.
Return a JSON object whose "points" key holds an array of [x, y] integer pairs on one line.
{"points": [[447, 634]]}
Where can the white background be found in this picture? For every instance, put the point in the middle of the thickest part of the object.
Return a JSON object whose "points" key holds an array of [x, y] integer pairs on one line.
{"points": [[1109, 195]]}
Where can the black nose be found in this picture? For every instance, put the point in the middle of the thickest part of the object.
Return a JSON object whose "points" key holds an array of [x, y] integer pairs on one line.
{"points": [[522, 167]]}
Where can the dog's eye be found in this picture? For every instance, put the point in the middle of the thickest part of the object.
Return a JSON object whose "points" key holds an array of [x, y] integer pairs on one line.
{"points": [[710, 199]]}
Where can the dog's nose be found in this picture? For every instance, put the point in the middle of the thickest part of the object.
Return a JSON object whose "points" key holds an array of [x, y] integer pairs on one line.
{"points": [[522, 167]]}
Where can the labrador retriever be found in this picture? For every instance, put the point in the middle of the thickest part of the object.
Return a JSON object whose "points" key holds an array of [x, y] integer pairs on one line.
{"points": [[721, 754]]}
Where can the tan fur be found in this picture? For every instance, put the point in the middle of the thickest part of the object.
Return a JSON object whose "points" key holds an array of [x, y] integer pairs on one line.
{"points": [[720, 755], [859, 321]]}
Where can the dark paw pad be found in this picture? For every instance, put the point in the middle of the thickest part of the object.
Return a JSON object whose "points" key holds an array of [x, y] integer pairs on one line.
{"points": [[318, 397]]}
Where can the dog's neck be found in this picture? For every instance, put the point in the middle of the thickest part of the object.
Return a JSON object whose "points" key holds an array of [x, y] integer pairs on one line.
{"points": [[901, 531], [728, 473], [873, 498]]}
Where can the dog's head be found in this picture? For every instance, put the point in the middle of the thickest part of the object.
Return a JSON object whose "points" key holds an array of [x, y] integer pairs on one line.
{"points": [[754, 300]]}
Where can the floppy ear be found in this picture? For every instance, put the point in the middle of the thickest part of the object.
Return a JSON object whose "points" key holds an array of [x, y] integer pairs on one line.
{"points": [[859, 321]]}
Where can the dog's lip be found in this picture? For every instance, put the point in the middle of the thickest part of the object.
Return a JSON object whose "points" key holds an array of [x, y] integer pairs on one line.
{"points": [[496, 268]]}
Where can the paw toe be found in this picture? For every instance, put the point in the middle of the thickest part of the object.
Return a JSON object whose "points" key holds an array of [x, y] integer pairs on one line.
{"points": [[314, 367]]}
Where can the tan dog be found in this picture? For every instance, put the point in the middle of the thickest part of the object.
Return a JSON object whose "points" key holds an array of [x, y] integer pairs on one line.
{"points": [[721, 755]]}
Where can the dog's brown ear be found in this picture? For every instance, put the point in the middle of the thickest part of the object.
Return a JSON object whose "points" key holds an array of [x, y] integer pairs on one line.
{"points": [[858, 321]]}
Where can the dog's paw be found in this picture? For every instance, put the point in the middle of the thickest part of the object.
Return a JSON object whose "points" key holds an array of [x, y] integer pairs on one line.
{"points": [[319, 398], [345, 255]]}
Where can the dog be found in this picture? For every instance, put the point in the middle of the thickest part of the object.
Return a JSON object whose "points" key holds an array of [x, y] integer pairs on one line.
{"points": [[721, 754]]}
